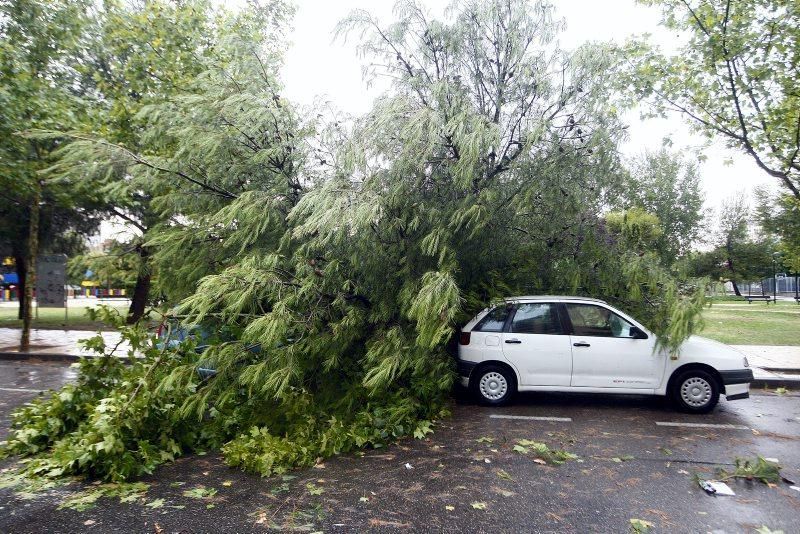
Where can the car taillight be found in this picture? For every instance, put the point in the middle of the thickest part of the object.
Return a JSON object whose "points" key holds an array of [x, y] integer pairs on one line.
{"points": [[463, 339]]}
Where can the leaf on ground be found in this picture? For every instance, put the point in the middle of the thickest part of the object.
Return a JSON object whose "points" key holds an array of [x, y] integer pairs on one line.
{"points": [[640, 526], [449, 508], [485, 439], [503, 474], [666, 451], [155, 503], [200, 492], [539, 461], [479, 505], [228, 483], [314, 490], [520, 449], [781, 391], [364, 499]]}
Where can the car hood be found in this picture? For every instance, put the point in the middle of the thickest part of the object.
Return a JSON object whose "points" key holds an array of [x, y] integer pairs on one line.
{"points": [[702, 348]]}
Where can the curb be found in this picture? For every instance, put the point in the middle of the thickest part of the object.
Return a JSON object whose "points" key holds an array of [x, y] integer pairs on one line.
{"points": [[768, 383]]}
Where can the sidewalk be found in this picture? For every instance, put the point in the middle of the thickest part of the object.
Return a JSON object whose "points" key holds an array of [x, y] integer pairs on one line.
{"points": [[54, 344], [773, 366]]}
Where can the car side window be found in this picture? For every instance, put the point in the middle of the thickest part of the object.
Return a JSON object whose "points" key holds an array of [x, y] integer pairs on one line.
{"points": [[494, 320], [589, 320], [536, 318]]}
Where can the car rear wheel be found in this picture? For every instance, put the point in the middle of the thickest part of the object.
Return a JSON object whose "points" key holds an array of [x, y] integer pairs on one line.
{"points": [[695, 391], [494, 385]]}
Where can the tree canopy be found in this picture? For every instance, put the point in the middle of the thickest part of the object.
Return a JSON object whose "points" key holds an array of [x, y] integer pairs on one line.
{"points": [[735, 77]]}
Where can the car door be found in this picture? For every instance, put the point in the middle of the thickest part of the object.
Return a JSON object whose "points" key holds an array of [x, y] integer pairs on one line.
{"points": [[606, 355], [536, 343]]}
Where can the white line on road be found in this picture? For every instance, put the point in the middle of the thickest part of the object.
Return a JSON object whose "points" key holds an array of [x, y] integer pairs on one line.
{"points": [[703, 425], [531, 418], [23, 390]]}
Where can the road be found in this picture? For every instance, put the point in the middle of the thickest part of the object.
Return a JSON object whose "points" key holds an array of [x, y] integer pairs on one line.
{"points": [[629, 466]]}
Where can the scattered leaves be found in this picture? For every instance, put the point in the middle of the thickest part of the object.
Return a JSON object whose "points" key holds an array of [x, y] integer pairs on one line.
{"points": [[200, 492]]}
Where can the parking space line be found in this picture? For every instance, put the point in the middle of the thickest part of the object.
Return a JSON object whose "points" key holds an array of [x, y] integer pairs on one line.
{"points": [[704, 425], [22, 390], [531, 418]]}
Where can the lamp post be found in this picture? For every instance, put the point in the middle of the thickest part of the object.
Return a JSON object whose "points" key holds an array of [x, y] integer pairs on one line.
{"points": [[775, 277]]}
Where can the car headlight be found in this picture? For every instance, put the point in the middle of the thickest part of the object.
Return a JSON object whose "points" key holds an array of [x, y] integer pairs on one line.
{"points": [[746, 363]]}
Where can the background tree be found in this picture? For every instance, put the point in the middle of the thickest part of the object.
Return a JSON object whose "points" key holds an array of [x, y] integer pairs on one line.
{"points": [[141, 54], [664, 184], [780, 216], [740, 255], [39, 89], [735, 78]]}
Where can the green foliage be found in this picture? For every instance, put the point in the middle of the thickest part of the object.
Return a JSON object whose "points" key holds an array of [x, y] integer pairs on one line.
{"points": [[667, 186], [87, 499], [636, 227], [753, 469], [734, 78], [543, 452]]}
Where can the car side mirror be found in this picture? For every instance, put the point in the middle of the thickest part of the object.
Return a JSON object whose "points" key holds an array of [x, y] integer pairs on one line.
{"points": [[637, 333]]}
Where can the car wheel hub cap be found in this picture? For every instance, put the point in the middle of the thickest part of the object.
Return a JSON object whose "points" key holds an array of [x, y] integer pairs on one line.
{"points": [[696, 392], [493, 386]]}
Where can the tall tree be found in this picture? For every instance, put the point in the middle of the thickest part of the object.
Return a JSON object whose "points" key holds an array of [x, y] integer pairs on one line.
{"points": [[666, 185], [141, 54], [39, 89], [735, 78]]}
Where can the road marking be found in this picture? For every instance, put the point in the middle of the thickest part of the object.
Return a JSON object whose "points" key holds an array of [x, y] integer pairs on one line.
{"points": [[703, 425], [23, 390], [531, 418]]}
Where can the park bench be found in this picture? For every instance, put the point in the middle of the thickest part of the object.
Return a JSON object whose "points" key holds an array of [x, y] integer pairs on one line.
{"points": [[751, 298]]}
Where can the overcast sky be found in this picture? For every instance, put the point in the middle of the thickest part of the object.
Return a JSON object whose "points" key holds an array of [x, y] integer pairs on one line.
{"points": [[318, 66]]}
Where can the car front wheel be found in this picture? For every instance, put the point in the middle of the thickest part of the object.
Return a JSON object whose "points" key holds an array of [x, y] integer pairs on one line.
{"points": [[494, 385], [695, 391]]}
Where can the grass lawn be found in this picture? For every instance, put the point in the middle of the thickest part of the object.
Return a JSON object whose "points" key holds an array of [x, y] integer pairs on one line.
{"points": [[753, 324], [53, 319]]}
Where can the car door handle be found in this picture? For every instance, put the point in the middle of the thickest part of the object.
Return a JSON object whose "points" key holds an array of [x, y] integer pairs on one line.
{"points": [[517, 341], [581, 344]]}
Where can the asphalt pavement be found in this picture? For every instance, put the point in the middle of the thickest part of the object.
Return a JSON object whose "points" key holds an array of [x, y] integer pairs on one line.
{"points": [[637, 459]]}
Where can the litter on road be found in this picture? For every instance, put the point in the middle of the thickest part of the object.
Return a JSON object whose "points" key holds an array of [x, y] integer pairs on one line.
{"points": [[714, 487]]}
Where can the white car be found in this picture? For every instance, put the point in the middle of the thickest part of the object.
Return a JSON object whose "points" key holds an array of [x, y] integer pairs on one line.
{"points": [[554, 343]]}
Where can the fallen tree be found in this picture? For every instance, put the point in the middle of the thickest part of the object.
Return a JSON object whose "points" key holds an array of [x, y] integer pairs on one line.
{"points": [[341, 257]]}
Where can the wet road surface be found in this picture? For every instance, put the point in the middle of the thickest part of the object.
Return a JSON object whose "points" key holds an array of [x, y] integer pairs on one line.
{"points": [[629, 467]]}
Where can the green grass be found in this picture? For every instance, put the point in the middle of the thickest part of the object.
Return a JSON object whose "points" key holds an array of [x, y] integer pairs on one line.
{"points": [[53, 319], [753, 324]]}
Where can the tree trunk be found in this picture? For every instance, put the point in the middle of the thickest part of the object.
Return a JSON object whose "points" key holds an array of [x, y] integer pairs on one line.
{"points": [[142, 289], [736, 288], [30, 279], [21, 267]]}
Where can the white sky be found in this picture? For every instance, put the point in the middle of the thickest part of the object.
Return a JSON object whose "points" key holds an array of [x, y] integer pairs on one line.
{"points": [[318, 67]]}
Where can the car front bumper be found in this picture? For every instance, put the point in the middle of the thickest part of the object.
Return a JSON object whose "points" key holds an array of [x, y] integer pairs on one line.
{"points": [[737, 383]]}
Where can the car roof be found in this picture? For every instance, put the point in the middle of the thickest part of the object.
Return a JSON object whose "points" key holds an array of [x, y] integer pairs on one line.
{"points": [[553, 298]]}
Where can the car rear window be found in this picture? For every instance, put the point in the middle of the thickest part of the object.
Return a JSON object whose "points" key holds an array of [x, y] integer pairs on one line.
{"points": [[536, 318], [494, 320]]}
